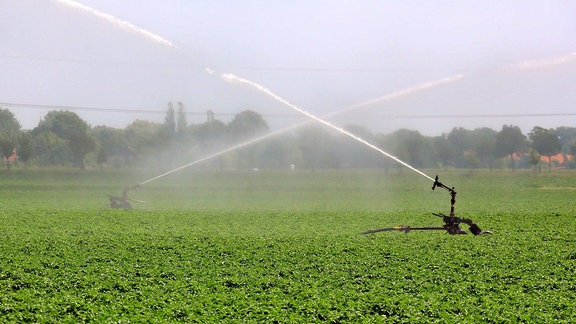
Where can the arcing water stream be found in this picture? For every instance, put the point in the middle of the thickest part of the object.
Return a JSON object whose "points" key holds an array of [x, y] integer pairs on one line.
{"points": [[542, 63], [213, 155], [398, 94], [231, 77], [391, 96], [118, 22], [235, 79]]}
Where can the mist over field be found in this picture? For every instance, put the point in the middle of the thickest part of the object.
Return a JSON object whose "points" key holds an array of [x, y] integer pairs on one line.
{"points": [[221, 161], [114, 62]]}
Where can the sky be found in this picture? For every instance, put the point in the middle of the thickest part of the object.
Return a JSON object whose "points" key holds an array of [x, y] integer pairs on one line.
{"points": [[423, 65]]}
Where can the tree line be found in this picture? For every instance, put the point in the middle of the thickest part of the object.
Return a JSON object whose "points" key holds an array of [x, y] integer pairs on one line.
{"points": [[63, 139]]}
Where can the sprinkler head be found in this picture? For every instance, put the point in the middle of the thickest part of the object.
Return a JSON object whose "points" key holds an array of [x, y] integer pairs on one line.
{"points": [[123, 201]]}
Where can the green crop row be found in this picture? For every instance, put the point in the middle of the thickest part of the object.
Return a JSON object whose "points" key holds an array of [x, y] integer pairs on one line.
{"points": [[287, 249]]}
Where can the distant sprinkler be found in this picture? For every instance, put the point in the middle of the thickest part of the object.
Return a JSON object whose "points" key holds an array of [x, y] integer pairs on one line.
{"points": [[123, 202]]}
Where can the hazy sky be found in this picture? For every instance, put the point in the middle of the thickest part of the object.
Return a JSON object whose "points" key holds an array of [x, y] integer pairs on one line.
{"points": [[515, 61]]}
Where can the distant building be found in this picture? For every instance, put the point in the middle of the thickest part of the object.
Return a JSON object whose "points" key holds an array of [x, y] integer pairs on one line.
{"points": [[558, 158]]}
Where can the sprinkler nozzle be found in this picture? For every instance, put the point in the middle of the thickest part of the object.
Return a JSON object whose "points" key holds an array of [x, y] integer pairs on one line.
{"points": [[441, 185]]}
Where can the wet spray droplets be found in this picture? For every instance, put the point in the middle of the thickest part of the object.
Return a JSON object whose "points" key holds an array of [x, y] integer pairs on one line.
{"points": [[235, 79], [214, 155], [544, 63], [398, 94], [118, 22], [391, 96]]}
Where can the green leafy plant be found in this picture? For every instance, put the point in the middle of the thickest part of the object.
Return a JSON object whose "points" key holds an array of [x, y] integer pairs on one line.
{"points": [[265, 247]]}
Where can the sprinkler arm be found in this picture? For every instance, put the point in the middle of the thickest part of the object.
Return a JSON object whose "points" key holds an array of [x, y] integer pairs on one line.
{"points": [[405, 229], [451, 226], [450, 190]]}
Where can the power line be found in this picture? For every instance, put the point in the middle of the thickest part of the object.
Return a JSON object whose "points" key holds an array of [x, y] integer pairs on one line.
{"points": [[480, 115], [218, 67], [81, 61], [197, 113], [119, 110], [97, 109]]}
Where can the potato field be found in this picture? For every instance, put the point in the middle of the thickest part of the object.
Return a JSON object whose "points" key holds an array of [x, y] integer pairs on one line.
{"points": [[285, 246]]}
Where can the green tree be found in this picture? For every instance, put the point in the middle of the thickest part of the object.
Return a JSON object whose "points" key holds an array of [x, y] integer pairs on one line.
{"points": [[26, 148], [181, 122], [101, 158], [72, 129], [211, 134], [446, 153], [169, 125], [545, 142], [410, 147], [62, 123], [572, 152], [81, 144], [8, 123], [460, 140], [50, 149], [9, 133], [113, 144], [143, 137], [535, 159], [6, 147], [246, 124], [567, 136], [510, 141], [484, 144]]}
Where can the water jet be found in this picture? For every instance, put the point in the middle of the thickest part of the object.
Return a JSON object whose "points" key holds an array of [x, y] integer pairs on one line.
{"points": [[451, 222], [235, 79], [120, 201]]}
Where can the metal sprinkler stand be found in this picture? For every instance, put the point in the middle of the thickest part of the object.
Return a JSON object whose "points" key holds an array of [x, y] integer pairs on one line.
{"points": [[451, 222]]}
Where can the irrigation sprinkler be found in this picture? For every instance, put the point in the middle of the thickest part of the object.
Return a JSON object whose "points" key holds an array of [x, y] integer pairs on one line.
{"points": [[123, 202], [451, 222]]}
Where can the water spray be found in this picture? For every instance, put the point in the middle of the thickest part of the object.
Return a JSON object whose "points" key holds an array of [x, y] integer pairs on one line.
{"points": [[235, 79], [118, 22], [124, 202], [451, 222]]}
